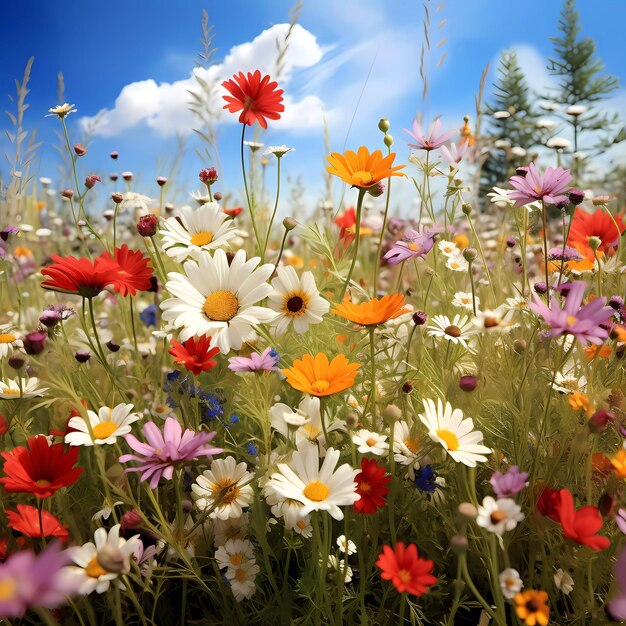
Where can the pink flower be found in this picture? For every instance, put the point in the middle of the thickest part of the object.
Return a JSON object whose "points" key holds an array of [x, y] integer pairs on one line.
{"points": [[164, 451], [414, 244], [433, 140], [584, 323], [550, 187], [265, 362], [455, 154]]}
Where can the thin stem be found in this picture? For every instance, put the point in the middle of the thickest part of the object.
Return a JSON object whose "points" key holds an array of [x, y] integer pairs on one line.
{"points": [[545, 248], [357, 235], [269, 228], [245, 184]]}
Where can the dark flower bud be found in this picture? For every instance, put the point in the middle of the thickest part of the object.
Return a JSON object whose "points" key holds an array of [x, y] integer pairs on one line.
{"points": [[562, 204], [169, 208], [154, 284], [616, 302], [208, 176], [113, 177], [17, 361], [130, 520], [407, 387], [376, 190], [600, 420], [466, 208], [80, 150], [161, 180], [540, 288], [147, 225], [112, 346], [510, 242], [82, 356], [68, 193], [576, 196], [109, 215], [91, 180], [217, 196], [127, 176], [468, 383], [117, 197], [522, 171], [605, 504], [114, 155], [50, 318], [35, 342], [420, 318]]}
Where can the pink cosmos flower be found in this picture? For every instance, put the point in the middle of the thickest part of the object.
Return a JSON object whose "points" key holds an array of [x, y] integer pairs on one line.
{"points": [[267, 361], [455, 154], [433, 140], [164, 451], [508, 484], [551, 187], [412, 246], [584, 323]]}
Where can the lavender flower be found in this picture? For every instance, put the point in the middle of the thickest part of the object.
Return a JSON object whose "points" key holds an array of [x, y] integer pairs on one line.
{"points": [[455, 154], [584, 323], [28, 580], [551, 187], [620, 520], [412, 246], [508, 484], [164, 451], [566, 254], [616, 608], [267, 361], [433, 140]]}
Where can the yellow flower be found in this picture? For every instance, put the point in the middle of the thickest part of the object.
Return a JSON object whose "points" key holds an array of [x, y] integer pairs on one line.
{"points": [[619, 463], [579, 400], [22, 251], [373, 312], [461, 241], [318, 377], [362, 169], [531, 606]]}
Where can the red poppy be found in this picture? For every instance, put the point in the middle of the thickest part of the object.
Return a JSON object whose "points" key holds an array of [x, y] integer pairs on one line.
{"points": [[256, 98], [195, 354], [549, 503], [403, 567], [128, 271], [233, 212], [72, 275], [41, 469], [598, 224], [347, 223], [26, 521], [371, 486], [581, 525]]}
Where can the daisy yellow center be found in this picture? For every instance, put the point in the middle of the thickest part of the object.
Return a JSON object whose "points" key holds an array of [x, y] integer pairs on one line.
{"points": [[571, 320], [497, 516], [104, 429], [311, 430], [319, 386], [364, 487], [316, 491], [42, 482], [404, 575], [491, 322], [454, 264], [94, 569], [509, 583], [240, 576], [7, 338], [452, 331], [296, 304], [12, 392], [412, 444], [450, 439], [361, 177], [371, 441], [235, 559], [302, 524], [221, 306], [202, 238], [7, 589], [225, 491]]}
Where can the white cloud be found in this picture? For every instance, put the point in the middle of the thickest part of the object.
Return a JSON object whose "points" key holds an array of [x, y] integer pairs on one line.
{"points": [[164, 107]]}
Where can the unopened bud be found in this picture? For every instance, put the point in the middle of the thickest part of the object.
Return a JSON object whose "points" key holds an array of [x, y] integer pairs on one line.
{"points": [[420, 318], [114, 155], [352, 420], [113, 177], [407, 387], [576, 196], [113, 560], [130, 520], [161, 180], [458, 544], [469, 254], [388, 139], [217, 196], [82, 356], [147, 225], [467, 208], [376, 190], [606, 504], [127, 176], [522, 171], [112, 346], [392, 413], [80, 150], [384, 125], [68, 193], [117, 197], [540, 288], [17, 361], [468, 383], [91, 180], [594, 242], [600, 420], [289, 223], [468, 510], [519, 345]]}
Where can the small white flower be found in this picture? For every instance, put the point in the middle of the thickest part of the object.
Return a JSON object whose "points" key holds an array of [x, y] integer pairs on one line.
{"points": [[501, 115], [21, 388], [348, 546], [576, 109], [518, 151], [106, 425], [464, 300], [368, 441], [563, 581], [558, 143], [339, 568], [61, 111], [449, 248], [457, 264], [510, 582], [278, 151], [545, 123], [499, 516], [134, 201], [458, 330]]}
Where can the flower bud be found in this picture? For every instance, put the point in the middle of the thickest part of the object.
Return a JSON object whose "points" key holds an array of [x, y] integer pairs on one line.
{"points": [[217, 196], [117, 197], [419, 318], [468, 510], [458, 544], [130, 520], [384, 125], [576, 196], [35, 342], [289, 223], [127, 176], [113, 177], [17, 361], [468, 383], [114, 155], [352, 420], [600, 200], [50, 318], [605, 504], [91, 180], [80, 150], [169, 208], [376, 190], [510, 242], [82, 356], [600, 420], [187, 506], [147, 225], [540, 288], [522, 171], [112, 346], [113, 560], [161, 180], [519, 345], [388, 139], [109, 215], [407, 387], [469, 254], [594, 242], [467, 208], [616, 302], [68, 193], [392, 413], [208, 176]]}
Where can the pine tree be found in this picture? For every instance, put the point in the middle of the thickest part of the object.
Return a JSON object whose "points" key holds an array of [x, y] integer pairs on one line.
{"points": [[581, 81]]}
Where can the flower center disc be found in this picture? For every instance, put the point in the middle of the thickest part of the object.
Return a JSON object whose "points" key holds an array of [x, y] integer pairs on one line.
{"points": [[221, 306], [449, 438], [7, 589], [225, 491], [202, 238], [94, 569], [295, 304], [412, 444], [104, 429], [452, 331], [316, 491], [319, 386], [404, 575], [361, 178], [7, 338], [496, 517]]}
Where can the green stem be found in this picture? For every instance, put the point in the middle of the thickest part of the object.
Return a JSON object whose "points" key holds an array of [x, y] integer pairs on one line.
{"points": [[245, 184], [269, 228], [357, 235], [545, 248]]}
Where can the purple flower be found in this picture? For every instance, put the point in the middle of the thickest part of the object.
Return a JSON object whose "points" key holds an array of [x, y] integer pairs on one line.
{"points": [[412, 246], [267, 361], [551, 187], [508, 484], [433, 140], [616, 608], [455, 154], [584, 323], [566, 254], [29, 580], [6, 232], [163, 451], [620, 520]]}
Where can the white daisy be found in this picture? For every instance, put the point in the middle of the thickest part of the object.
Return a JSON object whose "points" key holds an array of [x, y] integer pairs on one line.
{"points": [[457, 435], [563, 581], [135, 202], [499, 516], [368, 441], [457, 263], [339, 569], [284, 416], [224, 489], [231, 528], [449, 248], [319, 489], [348, 546], [21, 388], [242, 580], [194, 231], [233, 553], [464, 300], [494, 320], [89, 559], [566, 383], [61, 110], [9, 340], [457, 330], [106, 425], [217, 299], [510, 582], [278, 151], [296, 300], [406, 444]]}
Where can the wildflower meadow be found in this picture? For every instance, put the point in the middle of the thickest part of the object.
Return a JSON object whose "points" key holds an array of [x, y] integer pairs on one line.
{"points": [[402, 403]]}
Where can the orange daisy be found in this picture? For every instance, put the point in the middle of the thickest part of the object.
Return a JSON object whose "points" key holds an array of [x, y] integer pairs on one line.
{"points": [[619, 463], [319, 377], [362, 169], [532, 607], [373, 312]]}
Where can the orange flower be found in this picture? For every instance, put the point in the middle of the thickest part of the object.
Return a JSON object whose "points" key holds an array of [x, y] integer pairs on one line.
{"points": [[362, 169], [602, 352], [318, 377], [619, 463], [578, 400], [619, 333], [373, 312], [531, 606], [466, 134], [461, 241]]}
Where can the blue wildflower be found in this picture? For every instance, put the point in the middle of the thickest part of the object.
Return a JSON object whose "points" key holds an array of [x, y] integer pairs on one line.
{"points": [[252, 449], [149, 315], [425, 479]]}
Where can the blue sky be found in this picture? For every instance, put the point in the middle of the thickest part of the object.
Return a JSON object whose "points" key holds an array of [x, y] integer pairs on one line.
{"points": [[102, 50]]}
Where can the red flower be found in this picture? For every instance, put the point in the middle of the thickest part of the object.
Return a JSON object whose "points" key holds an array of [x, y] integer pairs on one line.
{"points": [[256, 98], [4, 426], [26, 521], [128, 271], [581, 525], [347, 223], [233, 212], [405, 569], [598, 224], [72, 275], [549, 503], [371, 486], [195, 354], [41, 469]]}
